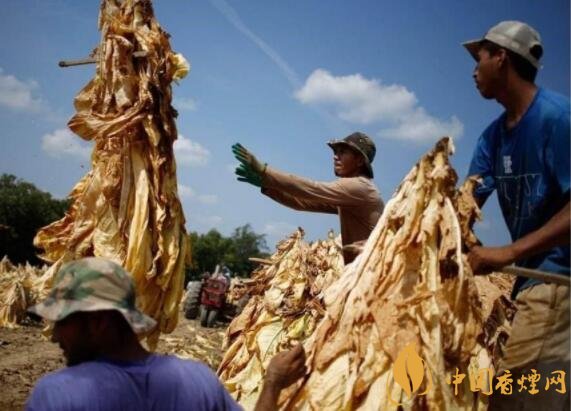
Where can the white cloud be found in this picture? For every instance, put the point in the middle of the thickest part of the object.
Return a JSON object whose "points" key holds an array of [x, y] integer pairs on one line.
{"points": [[185, 191], [279, 229], [204, 221], [208, 198], [420, 126], [393, 107], [63, 142], [355, 98], [184, 103], [190, 153], [17, 94], [213, 220]]}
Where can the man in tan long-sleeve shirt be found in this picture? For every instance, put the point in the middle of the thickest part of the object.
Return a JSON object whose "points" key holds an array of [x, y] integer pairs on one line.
{"points": [[353, 196]]}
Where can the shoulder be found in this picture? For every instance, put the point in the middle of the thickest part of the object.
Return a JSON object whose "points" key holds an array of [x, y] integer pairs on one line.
{"points": [[171, 363], [194, 382], [360, 186], [171, 369], [554, 115], [59, 390], [553, 105], [74, 375]]}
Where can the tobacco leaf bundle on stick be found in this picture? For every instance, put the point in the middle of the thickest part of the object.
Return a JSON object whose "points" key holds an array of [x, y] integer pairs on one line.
{"points": [[16, 291], [127, 208], [284, 307], [409, 299]]}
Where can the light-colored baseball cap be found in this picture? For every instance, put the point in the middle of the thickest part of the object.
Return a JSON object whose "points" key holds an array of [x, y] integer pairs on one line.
{"points": [[93, 284], [512, 35]]}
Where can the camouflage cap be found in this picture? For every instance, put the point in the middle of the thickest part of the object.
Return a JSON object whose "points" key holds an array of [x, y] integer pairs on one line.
{"points": [[363, 144], [93, 284]]}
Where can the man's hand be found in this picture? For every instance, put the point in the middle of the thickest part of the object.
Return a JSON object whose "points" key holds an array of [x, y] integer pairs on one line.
{"points": [[248, 159], [247, 175], [286, 368], [484, 260]]}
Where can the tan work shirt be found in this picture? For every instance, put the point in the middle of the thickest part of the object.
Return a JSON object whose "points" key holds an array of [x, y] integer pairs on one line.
{"points": [[355, 199]]}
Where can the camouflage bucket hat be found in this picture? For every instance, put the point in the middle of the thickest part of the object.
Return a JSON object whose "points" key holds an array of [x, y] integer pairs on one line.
{"points": [[363, 144], [93, 284]]}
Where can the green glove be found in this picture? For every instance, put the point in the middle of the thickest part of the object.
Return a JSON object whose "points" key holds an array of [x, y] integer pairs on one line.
{"points": [[248, 159], [246, 174]]}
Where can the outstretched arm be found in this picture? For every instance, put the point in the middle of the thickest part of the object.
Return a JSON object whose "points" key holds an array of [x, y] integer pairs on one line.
{"points": [[341, 192], [298, 204]]}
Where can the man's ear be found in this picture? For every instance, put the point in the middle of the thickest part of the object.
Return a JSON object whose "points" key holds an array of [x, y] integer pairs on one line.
{"points": [[502, 57]]}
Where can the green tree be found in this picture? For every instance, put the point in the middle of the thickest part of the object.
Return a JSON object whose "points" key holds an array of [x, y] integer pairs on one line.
{"points": [[212, 248], [208, 250], [23, 211], [245, 243]]}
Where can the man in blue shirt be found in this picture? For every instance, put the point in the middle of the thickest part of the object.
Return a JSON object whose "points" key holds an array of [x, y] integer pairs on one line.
{"points": [[524, 156], [96, 322]]}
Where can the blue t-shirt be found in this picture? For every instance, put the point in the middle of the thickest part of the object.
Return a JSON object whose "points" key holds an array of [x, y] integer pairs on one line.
{"points": [[529, 167], [160, 382]]}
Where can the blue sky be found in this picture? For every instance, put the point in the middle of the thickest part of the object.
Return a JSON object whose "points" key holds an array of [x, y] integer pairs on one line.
{"points": [[282, 78]]}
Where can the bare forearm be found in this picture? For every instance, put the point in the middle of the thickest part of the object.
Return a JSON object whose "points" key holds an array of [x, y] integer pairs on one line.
{"points": [[268, 399], [554, 233]]}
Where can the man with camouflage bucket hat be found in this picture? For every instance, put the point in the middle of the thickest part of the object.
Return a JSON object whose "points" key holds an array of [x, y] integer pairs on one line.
{"points": [[353, 196], [95, 321], [93, 284]]}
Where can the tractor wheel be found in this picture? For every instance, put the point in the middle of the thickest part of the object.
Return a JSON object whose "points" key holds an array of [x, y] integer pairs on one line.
{"points": [[192, 300], [212, 314], [203, 315]]}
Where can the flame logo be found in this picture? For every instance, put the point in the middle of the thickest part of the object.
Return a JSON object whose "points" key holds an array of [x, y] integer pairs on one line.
{"points": [[409, 370]]}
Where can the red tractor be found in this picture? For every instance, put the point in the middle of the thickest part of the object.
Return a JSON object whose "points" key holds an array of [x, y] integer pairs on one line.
{"points": [[212, 299]]}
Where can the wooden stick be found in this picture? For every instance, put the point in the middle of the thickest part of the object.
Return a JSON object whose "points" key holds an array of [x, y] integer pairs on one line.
{"points": [[537, 274], [260, 260], [92, 60]]}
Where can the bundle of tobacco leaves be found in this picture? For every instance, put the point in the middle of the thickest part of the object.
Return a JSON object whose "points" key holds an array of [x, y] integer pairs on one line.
{"points": [[408, 313], [126, 208], [284, 307], [17, 291]]}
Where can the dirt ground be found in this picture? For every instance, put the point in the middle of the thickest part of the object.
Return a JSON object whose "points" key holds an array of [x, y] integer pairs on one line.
{"points": [[25, 355]]}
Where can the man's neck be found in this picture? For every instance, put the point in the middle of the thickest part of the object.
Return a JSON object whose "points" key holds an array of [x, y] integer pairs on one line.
{"points": [[516, 99], [126, 350]]}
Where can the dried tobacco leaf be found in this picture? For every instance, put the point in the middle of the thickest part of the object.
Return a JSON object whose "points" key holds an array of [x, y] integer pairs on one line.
{"points": [[408, 310], [16, 291], [126, 208], [284, 308]]}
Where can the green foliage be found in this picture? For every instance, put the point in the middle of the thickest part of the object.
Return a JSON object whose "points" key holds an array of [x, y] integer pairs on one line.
{"points": [[213, 248], [23, 210]]}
